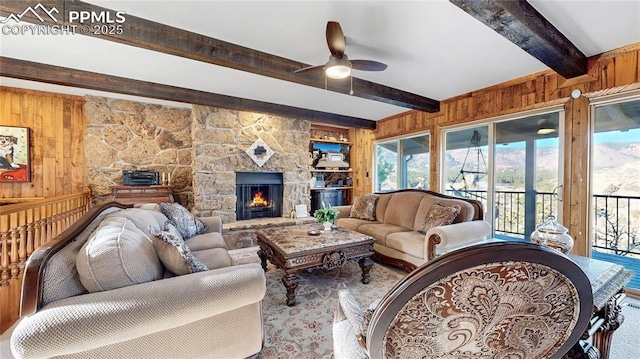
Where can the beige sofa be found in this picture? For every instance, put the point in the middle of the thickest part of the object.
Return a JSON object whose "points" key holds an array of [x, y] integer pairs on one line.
{"points": [[399, 215], [214, 313]]}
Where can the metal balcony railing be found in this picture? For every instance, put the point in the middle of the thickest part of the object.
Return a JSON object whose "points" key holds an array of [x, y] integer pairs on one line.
{"points": [[511, 217], [616, 224]]}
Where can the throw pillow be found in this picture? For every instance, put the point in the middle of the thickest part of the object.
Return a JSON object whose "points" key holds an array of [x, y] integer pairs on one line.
{"points": [[439, 215], [364, 207], [117, 254], [188, 225], [173, 252]]}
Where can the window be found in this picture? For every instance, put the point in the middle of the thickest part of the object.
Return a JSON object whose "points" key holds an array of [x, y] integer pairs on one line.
{"points": [[615, 180], [402, 163], [465, 163]]}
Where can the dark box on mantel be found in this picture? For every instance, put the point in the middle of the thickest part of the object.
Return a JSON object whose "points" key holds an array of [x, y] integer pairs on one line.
{"points": [[139, 178]]}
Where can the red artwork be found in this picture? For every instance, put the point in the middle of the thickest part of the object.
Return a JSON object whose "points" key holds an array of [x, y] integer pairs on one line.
{"points": [[18, 175], [14, 154]]}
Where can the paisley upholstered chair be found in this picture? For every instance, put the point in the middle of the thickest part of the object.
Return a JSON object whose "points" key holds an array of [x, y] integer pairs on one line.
{"points": [[514, 300]]}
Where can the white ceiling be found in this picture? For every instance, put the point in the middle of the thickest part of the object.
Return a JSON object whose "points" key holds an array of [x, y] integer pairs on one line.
{"points": [[432, 48]]}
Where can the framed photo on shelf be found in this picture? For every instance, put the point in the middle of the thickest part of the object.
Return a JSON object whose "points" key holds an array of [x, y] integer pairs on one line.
{"points": [[335, 157], [301, 211], [14, 154]]}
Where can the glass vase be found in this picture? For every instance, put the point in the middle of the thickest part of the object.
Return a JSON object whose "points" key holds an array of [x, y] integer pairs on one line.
{"points": [[552, 234]]}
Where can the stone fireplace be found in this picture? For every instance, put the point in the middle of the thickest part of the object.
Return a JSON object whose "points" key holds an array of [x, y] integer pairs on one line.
{"points": [[220, 139], [202, 147], [259, 195]]}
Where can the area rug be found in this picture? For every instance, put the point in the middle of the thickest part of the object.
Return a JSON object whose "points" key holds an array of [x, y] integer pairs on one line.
{"points": [[624, 344], [304, 331]]}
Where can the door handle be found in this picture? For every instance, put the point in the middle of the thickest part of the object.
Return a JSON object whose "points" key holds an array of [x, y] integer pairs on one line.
{"points": [[555, 193]]}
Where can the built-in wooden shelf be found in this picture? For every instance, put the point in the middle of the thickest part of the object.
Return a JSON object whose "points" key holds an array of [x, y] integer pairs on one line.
{"points": [[331, 171], [331, 141], [325, 141], [329, 188]]}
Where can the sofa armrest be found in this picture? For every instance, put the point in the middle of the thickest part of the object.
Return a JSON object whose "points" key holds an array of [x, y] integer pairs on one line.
{"points": [[444, 239], [212, 224], [93, 320], [343, 211]]}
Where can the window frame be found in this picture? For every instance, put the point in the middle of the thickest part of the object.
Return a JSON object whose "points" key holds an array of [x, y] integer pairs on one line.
{"points": [[398, 141], [490, 123], [594, 103]]}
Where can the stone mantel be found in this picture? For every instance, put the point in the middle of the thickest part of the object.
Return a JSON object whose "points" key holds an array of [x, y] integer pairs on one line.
{"points": [[220, 140], [242, 234]]}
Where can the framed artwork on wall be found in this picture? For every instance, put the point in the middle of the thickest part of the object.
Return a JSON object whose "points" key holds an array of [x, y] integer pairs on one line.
{"points": [[14, 154]]}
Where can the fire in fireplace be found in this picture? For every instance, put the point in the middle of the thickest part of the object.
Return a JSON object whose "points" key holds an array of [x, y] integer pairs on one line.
{"points": [[259, 200], [259, 195]]}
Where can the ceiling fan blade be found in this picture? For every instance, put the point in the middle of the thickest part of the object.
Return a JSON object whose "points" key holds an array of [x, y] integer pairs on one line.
{"points": [[368, 65], [335, 39], [309, 68]]}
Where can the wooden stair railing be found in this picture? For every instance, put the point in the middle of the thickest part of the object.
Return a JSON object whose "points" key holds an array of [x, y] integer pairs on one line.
{"points": [[23, 228]]}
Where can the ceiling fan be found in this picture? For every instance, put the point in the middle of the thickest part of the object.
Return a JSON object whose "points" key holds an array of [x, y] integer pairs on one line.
{"points": [[339, 66]]}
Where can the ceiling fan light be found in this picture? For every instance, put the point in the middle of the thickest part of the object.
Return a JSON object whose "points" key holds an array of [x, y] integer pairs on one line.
{"points": [[546, 131], [338, 71], [546, 127], [338, 68]]}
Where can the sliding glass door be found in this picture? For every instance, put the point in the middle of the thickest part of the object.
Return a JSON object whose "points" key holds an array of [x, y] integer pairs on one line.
{"points": [[615, 179], [526, 173], [512, 166], [466, 171]]}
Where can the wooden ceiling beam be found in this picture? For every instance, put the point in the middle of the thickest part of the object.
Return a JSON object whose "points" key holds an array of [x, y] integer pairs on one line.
{"points": [[523, 25], [155, 36], [33, 71]]}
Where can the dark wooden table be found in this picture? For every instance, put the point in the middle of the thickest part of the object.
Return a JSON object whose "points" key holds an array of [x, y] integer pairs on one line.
{"points": [[607, 284], [292, 249]]}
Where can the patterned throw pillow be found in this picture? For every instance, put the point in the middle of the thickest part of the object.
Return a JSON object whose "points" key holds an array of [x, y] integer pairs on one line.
{"points": [[188, 225], [364, 207], [173, 252], [439, 215]]}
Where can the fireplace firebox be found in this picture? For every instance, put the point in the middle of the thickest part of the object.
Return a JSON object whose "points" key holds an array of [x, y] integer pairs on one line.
{"points": [[259, 195]]}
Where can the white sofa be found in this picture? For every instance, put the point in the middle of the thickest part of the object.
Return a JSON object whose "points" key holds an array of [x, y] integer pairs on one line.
{"points": [[211, 314], [397, 217]]}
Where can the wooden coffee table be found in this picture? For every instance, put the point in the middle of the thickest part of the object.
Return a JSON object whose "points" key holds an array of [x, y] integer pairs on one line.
{"points": [[292, 248]]}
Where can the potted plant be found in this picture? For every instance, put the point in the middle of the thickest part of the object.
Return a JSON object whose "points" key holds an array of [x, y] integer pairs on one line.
{"points": [[326, 215]]}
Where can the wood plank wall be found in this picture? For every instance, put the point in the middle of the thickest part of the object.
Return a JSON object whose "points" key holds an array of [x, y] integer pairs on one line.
{"points": [[57, 157], [362, 161], [616, 70]]}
